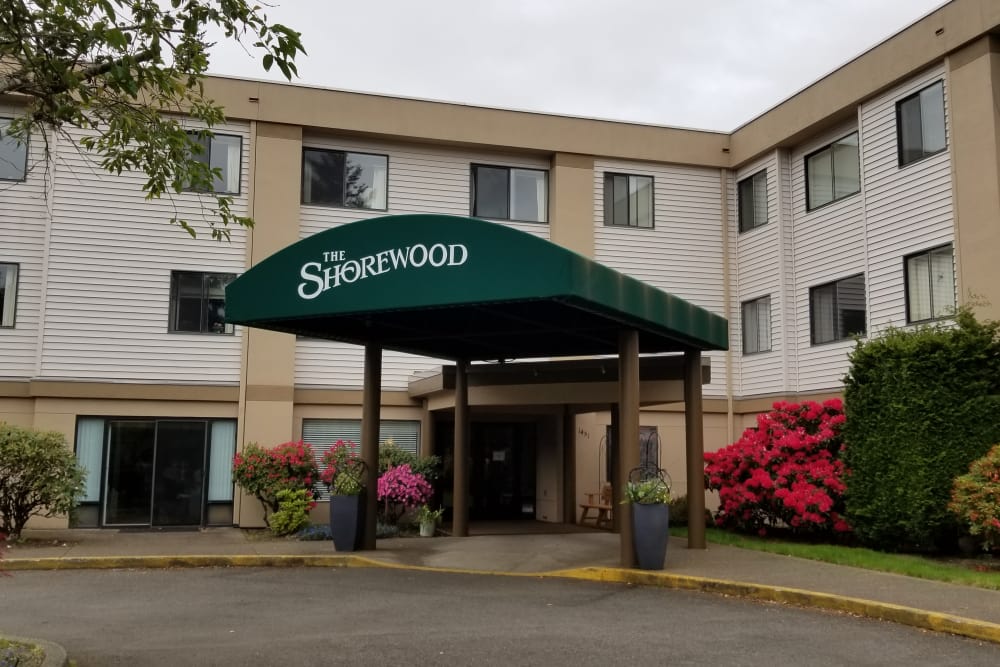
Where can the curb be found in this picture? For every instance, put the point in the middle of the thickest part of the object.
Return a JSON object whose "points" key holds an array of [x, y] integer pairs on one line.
{"points": [[918, 618], [55, 654]]}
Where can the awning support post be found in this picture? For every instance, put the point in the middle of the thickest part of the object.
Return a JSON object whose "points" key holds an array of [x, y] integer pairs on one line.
{"points": [[627, 444], [460, 510], [695, 442], [371, 402]]}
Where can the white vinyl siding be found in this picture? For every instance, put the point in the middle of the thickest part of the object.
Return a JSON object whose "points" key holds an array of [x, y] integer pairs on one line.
{"points": [[829, 244], [23, 227], [758, 273], [111, 255], [683, 255], [908, 209], [421, 180]]}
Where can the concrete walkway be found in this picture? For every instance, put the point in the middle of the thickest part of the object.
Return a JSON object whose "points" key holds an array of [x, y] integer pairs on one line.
{"points": [[589, 555]]}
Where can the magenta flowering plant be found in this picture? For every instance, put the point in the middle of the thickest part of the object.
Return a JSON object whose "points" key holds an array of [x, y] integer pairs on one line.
{"points": [[263, 472], [401, 489], [786, 471]]}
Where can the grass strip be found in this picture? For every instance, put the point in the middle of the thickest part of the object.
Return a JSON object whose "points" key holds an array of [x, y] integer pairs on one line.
{"points": [[905, 564]]}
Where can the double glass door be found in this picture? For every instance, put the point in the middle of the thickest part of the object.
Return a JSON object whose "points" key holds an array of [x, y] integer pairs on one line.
{"points": [[155, 474]]}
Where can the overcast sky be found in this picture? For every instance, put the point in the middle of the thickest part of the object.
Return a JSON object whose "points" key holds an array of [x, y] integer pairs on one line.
{"points": [[711, 64]]}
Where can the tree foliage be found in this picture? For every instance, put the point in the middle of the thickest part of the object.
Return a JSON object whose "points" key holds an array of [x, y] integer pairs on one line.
{"points": [[922, 405], [128, 71], [39, 476]]}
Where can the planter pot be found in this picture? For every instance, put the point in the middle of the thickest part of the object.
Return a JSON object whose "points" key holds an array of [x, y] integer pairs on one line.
{"points": [[649, 534], [427, 528], [346, 521]]}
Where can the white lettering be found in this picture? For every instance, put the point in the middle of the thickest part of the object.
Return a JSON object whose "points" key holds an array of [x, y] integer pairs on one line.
{"points": [[318, 278], [306, 275], [413, 255]]}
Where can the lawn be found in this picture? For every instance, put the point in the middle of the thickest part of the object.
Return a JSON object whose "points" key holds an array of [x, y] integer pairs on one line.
{"points": [[983, 572]]}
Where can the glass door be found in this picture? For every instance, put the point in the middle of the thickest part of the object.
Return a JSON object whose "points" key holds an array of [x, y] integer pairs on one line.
{"points": [[128, 497], [179, 480]]}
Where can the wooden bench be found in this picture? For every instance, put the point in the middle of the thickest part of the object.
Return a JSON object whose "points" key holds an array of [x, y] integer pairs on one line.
{"points": [[601, 506]]}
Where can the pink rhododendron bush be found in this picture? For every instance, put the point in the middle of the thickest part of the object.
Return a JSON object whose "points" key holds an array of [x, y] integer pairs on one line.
{"points": [[401, 489], [975, 499], [785, 472], [263, 473]]}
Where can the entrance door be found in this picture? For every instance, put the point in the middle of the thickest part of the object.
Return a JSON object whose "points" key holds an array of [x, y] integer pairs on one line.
{"points": [[155, 473], [502, 474]]}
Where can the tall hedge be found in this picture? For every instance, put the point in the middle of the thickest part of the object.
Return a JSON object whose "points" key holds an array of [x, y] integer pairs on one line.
{"points": [[921, 405]]}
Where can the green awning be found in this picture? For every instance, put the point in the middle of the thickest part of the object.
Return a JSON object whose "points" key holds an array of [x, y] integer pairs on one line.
{"points": [[460, 288]]}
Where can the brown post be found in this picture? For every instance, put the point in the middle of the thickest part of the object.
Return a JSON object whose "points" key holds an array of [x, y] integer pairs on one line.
{"points": [[569, 465], [616, 488], [370, 408], [694, 436], [460, 494], [627, 443]]}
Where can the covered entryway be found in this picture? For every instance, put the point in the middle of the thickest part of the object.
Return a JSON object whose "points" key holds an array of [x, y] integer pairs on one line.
{"points": [[469, 290]]}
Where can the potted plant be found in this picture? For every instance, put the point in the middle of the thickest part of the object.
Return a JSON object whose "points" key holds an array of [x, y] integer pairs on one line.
{"points": [[649, 496], [344, 475], [428, 519]]}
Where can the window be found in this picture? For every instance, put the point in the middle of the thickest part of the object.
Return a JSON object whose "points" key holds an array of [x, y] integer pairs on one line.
{"points": [[930, 284], [338, 178], [628, 200], [322, 434], [837, 310], [8, 294], [13, 155], [222, 152], [757, 325], [198, 302], [833, 173], [505, 193], [753, 201], [920, 124]]}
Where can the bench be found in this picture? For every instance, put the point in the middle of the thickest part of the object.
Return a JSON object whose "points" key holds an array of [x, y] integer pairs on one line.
{"points": [[600, 504]]}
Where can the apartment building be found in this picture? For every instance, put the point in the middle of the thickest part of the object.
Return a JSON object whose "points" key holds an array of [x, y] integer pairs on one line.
{"points": [[869, 199]]}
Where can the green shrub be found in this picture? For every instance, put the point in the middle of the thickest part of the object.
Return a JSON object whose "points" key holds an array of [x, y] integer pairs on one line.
{"points": [[391, 456], [921, 405], [679, 512], [39, 476], [293, 511], [975, 499]]}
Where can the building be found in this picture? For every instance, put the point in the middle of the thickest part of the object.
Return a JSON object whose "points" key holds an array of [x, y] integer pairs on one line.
{"points": [[869, 199]]}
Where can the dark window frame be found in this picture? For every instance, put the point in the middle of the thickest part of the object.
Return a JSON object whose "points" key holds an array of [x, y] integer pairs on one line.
{"points": [[608, 175], [829, 147], [17, 289], [899, 127], [839, 336], [27, 148], [906, 283], [743, 325], [227, 329], [344, 153], [743, 228], [207, 154], [472, 192]]}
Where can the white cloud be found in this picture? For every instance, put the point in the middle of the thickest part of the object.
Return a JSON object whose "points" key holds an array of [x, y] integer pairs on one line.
{"points": [[710, 64]]}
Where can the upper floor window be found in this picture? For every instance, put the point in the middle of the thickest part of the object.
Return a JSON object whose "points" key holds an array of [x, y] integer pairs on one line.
{"points": [[8, 294], [339, 178], [930, 284], [507, 193], [198, 302], [833, 172], [837, 310], [757, 325], [628, 200], [753, 201], [920, 124], [13, 155], [222, 152]]}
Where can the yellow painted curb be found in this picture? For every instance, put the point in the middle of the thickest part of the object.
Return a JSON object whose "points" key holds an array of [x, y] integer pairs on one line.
{"points": [[918, 618]]}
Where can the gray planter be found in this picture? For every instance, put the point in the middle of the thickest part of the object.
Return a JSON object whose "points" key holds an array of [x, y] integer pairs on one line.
{"points": [[346, 521], [650, 524]]}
